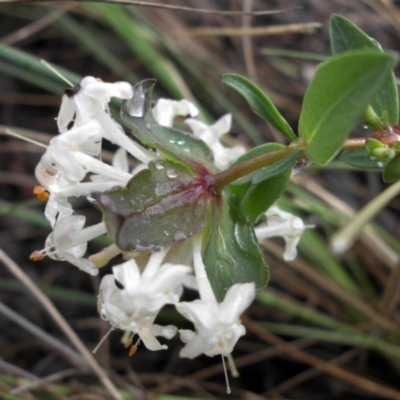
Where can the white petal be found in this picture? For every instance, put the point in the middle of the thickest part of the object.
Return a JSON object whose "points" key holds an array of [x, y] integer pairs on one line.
{"points": [[168, 331], [202, 314], [66, 113], [103, 90], [150, 340], [82, 263], [128, 275], [194, 347], [120, 160], [186, 335], [223, 125], [166, 110], [236, 300], [169, 280]]}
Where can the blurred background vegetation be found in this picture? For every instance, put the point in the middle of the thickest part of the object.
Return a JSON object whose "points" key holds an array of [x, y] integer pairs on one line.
{"points": [[325, 328]]}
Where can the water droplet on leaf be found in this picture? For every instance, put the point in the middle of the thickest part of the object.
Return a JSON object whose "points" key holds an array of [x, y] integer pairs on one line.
{"points": [[179, 236], [159, 164], [171, 173]]}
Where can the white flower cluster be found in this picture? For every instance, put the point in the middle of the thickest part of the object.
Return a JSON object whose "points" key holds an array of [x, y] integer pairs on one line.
{"points": [[131, 297]]}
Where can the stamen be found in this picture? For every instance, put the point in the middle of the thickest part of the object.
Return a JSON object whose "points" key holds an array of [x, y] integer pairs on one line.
{"points": [[132, 350], [17, 135], [228, 388], [41, 193], [128, 343], [52, 69], [37, 255], [102, 341], [232, 367]]}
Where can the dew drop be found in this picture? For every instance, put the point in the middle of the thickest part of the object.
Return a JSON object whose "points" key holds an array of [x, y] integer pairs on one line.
{"points": [[186, 150], [300, 165], [166, 233], [159, 164], [179, 236], [171, 173], [376, 43], [181, 142], [172, 141]]}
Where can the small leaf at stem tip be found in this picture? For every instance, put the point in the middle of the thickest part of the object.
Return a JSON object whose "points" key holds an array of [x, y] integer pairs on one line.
{"points": [[341, 89], [391, 172], [346, 36], [260, 103]]}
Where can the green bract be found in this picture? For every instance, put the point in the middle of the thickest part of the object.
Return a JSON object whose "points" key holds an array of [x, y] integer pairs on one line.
{"points": [[345, 36], [232, 254], [256, 192], [359, 158], [391, 172], [260, 103], [177, 145], [160, 206], [341, 89]]}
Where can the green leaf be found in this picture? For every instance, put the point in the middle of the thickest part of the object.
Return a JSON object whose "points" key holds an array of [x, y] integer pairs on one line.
{"points": [[177, 145], [256, 192], [232, 254], [260, 103], [341, 89], [345, 36], [391, 173], [266, 172], [359, 158], [160, 206]]}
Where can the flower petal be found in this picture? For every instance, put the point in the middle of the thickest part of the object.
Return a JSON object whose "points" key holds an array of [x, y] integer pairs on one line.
{"points": [[236, 300]]}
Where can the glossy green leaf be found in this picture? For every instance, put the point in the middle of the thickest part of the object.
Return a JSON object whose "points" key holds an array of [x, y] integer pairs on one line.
{"points": [[345, 36], [391, 173], [177, 145], [232, 254], [256, 192], [260, 103], [359, 158], [162, 205], [341, 89]]}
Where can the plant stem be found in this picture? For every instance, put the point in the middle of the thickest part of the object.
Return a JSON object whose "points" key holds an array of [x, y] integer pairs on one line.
{"points": [[354, 143], [224, 178]]}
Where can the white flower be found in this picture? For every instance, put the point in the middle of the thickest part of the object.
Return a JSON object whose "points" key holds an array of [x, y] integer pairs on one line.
{"points": [[166, 110], [63, 148], [217, 325], [211, 136], [81, 101], [286, 225], [88, 102], [131, 301], [57, 205], [68, 241]]}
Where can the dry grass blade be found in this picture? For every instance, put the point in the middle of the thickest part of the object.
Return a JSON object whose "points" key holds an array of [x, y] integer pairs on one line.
{"points": [[306, 28], [61, 322], [311, 373], [44, 381], [32, 28], [73, 357], [326, 284], [158, 5], [378, 390]]}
